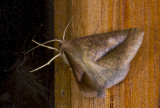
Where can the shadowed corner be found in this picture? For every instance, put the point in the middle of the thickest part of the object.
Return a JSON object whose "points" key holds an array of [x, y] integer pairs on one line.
{"points": [[20, 23], [23, 89]]}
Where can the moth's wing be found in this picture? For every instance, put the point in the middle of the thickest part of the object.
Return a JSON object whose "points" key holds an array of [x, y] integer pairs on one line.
{"points": [[82, 79], [96, 46], [108, 56], [88, 60], [91, 78], [121, 44], [103, 77], [74, 54], [113, 67], [122, 55]]}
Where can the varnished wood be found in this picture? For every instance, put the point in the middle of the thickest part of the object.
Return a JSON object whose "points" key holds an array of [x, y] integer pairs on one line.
{"points": [[62, 12], [141, 87]]}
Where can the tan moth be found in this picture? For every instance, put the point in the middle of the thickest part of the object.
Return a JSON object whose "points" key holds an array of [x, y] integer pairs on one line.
{"points": [[98, 61]]}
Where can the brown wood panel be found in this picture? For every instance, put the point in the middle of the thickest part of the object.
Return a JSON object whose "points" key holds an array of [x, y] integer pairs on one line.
{"points": [[140, 89], [62, 74]]}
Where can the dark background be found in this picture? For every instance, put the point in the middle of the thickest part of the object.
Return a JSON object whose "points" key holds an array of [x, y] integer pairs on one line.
{"points": [[20, 22]]}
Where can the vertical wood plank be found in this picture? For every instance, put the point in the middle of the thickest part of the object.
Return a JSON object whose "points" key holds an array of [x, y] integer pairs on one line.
{"points": [[62, 12]]}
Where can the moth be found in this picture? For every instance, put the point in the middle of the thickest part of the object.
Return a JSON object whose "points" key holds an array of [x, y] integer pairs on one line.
{"points": [[98, 61]]}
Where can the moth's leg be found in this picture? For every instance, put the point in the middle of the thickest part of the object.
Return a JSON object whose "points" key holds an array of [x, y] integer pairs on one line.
{"points": [[48, 63], [121, 56]]}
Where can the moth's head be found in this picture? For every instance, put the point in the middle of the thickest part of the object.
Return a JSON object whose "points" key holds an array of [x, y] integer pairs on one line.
{"points": [[63, 44]]}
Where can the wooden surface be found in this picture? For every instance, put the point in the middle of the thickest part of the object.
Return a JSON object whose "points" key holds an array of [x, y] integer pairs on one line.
{"points": [[140, 89]]}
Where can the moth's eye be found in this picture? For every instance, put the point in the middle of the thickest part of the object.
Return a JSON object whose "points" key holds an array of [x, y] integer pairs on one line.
{"points": [[60, 44]]}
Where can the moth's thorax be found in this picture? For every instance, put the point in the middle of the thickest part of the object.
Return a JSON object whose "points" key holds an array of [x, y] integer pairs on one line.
{"points": [[72, 49], [70, 46], [65, 43]]}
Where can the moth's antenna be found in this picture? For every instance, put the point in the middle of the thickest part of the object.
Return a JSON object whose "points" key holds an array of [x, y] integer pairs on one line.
{"points": [[48, 63], [66, 28], [42, 44]]}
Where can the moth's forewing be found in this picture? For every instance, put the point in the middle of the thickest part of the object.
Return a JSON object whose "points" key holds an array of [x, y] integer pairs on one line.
{"points": [[102, 60], [74, 54], [96, 46]]}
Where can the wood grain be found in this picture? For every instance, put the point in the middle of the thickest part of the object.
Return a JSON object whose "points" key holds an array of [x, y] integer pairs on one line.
{"points": [[141, 87]]}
